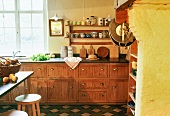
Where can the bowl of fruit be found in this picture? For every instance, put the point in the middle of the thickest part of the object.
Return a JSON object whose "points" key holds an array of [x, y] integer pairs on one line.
{"points": [[9, 66]]}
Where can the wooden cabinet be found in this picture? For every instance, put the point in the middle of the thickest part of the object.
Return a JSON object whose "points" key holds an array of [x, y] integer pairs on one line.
{"points": [[93, 82], [118, 82], [39, 86], [118, 90], [90, 70], [61, 90], [62, 81], [87, 83], [38, 82], [132, 76]]}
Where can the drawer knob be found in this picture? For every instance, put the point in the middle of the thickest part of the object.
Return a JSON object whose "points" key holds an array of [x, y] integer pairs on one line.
{"points": [[82, 69], [52, 69], [52, 86], [114, 87], [83, 95], [102, 69], [102, 84], [114, 69], [39, 87], [71, 87], [38, 68], [83, 84], [101, 95]]}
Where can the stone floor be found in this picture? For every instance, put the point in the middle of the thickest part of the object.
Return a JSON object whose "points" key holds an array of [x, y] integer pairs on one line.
{"points": [[77, 110]]}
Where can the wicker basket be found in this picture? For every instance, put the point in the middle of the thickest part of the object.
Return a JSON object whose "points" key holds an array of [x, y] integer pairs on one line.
{"points": [[6, 70]]}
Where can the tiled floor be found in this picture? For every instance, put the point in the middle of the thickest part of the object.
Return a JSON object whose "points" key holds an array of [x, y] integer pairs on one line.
{"points": [[77, 110]]}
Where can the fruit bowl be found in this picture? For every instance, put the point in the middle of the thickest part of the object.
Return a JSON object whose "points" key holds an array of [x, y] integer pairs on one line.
{"points": [[10, 68]]}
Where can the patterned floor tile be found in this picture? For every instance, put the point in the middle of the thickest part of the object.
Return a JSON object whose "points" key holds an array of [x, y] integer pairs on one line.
{"points": [[77, 110]]}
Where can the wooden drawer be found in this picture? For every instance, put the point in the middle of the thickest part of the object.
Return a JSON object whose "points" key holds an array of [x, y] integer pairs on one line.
{"points": [[93, 70], [119, 70], [60, 70], [38, 68], [92, 96], [92, 84]]}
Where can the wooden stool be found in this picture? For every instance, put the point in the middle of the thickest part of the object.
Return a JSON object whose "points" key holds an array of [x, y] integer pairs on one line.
{"points": [[29, 99], [14, 113]]}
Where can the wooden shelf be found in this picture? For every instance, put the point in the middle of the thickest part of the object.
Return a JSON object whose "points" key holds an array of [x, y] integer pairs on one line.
{"points": [[88, 25], [91, 43], [91, 38], [132, 97], [134, 55], [134, 77], [133, 111]]}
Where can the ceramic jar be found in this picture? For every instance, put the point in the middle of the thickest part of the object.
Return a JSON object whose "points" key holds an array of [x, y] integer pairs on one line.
{"points": [[63, 51]]}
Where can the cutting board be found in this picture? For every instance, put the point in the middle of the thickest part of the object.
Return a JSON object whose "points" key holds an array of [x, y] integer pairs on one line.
{"points": [[83, 52], [114, 51], [91, 50], [103, 52]]}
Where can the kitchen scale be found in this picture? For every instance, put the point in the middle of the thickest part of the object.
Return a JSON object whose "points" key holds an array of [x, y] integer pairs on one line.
{"points": [[121, 34]]}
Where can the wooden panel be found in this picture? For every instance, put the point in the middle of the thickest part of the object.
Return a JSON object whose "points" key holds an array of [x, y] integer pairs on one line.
{"points": [[92, 84], [92, 96], [39, 86], [101, 71], [118, 90], [61, 90], [60, 70], [119, 71]]}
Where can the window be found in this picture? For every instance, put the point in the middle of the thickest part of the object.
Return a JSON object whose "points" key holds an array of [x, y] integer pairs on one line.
{"points": [[23, 26]]}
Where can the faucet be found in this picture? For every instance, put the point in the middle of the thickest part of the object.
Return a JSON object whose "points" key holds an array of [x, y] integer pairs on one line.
{"points": [[14, 53]]}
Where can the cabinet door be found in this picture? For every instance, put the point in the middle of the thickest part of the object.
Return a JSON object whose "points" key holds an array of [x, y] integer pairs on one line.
{"points": [[118, 90], [100, 71], [39, 86], [119, 71], [85, 71], [60, 70], [61, 90]]}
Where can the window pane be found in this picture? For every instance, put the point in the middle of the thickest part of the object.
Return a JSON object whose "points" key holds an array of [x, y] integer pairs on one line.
{"points": [[25, 4], [9, 5], [1, 7], [1, 20], [26, 36], [37, 20], [2, 39], [25, 20], [9, 20], [37, 4], [10, 35]]}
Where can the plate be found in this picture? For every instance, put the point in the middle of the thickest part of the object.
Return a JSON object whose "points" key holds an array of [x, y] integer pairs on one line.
{"points": [[92, 58], [102, 52]]}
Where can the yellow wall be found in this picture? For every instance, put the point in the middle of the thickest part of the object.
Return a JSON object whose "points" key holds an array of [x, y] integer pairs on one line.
{"points": [[74, 10], [150, 23]]}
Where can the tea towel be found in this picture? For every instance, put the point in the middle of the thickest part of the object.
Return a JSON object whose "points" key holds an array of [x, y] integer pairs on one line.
{"points": [[72, 61]]}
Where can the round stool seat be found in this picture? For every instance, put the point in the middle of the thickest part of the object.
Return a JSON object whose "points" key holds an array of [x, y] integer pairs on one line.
{"points": [[14, 113], [28, 98]]}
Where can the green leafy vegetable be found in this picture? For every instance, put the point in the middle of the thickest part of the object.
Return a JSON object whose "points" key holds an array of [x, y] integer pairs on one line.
{"points": [[39, 57]]}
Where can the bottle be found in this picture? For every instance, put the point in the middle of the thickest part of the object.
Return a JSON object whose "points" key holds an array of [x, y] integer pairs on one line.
{"points": [[88, 21], [70, 51], [109, 19]]}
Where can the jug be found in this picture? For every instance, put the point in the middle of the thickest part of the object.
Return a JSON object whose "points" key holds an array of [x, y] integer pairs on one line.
{"points": [[93, 20]]}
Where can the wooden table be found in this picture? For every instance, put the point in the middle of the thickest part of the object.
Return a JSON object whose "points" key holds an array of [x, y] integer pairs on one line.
{"points": [[22, 77]]}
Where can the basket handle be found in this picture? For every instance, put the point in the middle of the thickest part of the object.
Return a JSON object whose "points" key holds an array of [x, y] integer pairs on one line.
{"points": [[3, 58]]}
